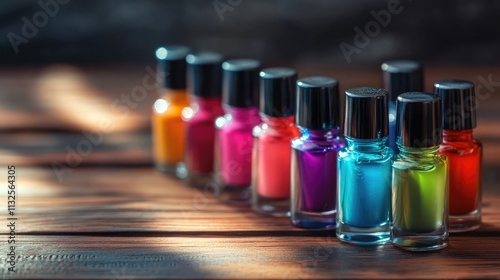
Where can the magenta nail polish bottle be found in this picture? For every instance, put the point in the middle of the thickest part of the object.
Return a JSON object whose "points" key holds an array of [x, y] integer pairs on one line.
{"points": [[234, 130]]}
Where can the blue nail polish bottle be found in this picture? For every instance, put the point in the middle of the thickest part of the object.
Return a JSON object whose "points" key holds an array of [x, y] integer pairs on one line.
{"points": [[364, 169]]}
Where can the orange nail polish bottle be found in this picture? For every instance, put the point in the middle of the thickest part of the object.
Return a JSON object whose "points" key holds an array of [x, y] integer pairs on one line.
{"points": [[167, 124]]}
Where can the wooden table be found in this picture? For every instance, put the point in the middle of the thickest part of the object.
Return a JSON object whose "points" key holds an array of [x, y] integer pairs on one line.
{"points": [[111, 216]]}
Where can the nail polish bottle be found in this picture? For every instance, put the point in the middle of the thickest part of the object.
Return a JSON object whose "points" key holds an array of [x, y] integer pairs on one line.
{"points": [[234, 130], [314, 153], [205, 88], [364, 169], [271, 149], [167, 125], [420, 175], [463, 151], [400, 76]]}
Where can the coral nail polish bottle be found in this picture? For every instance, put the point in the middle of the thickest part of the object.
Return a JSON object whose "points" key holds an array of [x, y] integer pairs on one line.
{"points": [[205, 88], [364, 169], [314, 153], [167, 124], [419, 175], [234, 139], [463, 151], [400, 76], [271, 150]]}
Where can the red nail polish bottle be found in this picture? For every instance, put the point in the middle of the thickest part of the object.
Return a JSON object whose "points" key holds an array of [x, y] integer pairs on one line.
{"points": [[463, 151]]}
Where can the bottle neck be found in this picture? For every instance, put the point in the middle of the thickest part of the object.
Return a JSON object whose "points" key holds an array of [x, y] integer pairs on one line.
{"points": [[174, 95], [207, 103], [323, 135], [278, 123], [366, 145], [241, 113], [457, 135], [418, 153]]}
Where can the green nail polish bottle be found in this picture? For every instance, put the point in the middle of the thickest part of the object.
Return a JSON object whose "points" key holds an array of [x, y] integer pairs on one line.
{"points": [[420, 175]]}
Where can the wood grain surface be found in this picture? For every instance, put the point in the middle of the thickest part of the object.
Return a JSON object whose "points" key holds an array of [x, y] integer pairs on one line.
{"points": [[245, 257], [109, 215]]}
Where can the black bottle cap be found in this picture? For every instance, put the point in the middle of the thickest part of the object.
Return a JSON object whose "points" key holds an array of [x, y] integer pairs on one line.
{"points": [[240, 83], [402, 76], [172, 64], [418, 122], [459, 104], [205, 74], [318, 103], [366, 115], [277, 91]]}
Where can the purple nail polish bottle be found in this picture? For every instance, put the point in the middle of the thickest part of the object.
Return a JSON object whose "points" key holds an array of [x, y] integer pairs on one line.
{"points": [[314, 154]]}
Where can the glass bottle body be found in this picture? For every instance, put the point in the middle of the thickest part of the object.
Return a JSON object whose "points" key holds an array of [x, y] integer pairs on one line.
{"points": [[168, 130], [419, 199], [199, 120], [464, 154], [313, 178], [364, 192], [271, 165], [234, 141]]}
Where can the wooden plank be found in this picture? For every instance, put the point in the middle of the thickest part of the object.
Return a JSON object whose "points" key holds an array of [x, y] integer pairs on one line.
{"points": [[143, 200], [47, 149], [56, 257]]}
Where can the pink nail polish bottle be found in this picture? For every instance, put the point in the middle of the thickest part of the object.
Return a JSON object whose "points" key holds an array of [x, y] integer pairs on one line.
{"points": [[234, 137], [205, 90]]}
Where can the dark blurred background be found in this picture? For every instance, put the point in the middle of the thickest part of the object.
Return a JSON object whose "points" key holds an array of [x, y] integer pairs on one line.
{"points": [[302, 32]]}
